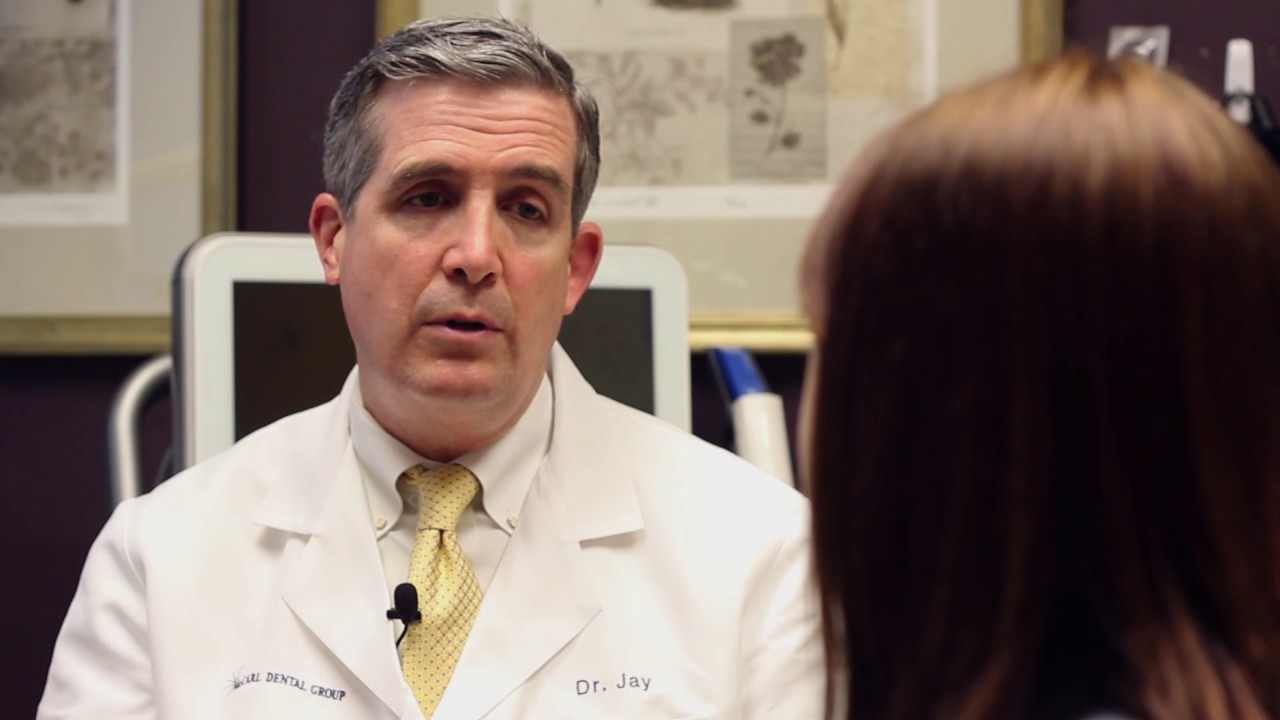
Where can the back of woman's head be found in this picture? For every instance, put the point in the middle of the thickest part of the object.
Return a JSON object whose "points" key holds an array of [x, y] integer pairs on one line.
{"points": [[1044, 421]]}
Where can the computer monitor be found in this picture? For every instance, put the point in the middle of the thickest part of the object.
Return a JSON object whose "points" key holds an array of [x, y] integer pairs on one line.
{"points": [[258, 334]]}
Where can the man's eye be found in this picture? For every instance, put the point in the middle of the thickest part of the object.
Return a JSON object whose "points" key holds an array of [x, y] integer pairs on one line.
{"points": [[427, 199], [528, 211]]}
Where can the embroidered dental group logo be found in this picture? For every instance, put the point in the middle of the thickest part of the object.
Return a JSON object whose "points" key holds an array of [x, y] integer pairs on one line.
{"points": [[239, 680]]}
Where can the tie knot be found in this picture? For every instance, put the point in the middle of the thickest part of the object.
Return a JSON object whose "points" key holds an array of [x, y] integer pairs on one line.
{"points": [[443, 493]]}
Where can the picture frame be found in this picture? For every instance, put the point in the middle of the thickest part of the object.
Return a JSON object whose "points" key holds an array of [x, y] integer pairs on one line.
{"points": [[1042, 29], [178, 152], [749, 298]]}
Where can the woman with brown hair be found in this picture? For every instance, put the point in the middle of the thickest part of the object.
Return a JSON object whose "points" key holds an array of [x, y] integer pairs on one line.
{"points": [[1043, 415]]}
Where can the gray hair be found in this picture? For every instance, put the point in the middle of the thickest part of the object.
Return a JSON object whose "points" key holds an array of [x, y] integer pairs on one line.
{"points": [[486, 50]]}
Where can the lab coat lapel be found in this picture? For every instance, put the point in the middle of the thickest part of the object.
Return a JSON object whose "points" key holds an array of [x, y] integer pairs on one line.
{"points": [[543, 594], [338, 591], [335, 586]]}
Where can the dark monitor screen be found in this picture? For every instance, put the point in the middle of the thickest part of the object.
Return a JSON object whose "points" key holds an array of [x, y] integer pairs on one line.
{"points": [[292, 350]]}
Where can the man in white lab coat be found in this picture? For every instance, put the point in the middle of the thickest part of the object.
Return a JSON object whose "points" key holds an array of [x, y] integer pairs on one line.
{"points": [[628, 570]]}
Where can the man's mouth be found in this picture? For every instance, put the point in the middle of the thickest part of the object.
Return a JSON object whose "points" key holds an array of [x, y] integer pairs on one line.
{"points": [[465, 325]]}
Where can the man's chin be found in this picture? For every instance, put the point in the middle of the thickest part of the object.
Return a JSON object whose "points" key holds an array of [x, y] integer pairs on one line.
{"points": [[470, 388]]}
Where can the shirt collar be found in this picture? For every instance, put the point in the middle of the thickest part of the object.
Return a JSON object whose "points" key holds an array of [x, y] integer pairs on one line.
{"points": [[505, 468]]}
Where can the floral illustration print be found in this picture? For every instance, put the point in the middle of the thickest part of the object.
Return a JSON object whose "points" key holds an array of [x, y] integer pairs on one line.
{"points": [[57, 114], [776, 61], [639, 92]]}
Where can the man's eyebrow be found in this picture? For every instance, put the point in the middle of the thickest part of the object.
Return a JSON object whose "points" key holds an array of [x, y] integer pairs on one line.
{"points": [[542, 173], [419, 170], [435, 168]]}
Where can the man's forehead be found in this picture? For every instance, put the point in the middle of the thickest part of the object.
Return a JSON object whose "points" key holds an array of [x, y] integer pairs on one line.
{"points": [[395, 92], [412, 141], [513, 108]]}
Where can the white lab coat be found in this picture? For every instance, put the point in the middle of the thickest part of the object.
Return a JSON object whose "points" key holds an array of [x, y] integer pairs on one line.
{"points": [[651, 576]]}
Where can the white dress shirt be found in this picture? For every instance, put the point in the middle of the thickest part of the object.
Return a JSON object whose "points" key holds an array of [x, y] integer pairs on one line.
{"points": [[505, 469]]}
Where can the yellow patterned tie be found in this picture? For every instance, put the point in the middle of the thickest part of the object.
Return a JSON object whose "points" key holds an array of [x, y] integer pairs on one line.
{"points": [[446, 583]]}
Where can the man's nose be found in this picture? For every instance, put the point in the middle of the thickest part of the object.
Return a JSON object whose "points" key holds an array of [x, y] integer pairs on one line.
{"points": [[473, 255]]}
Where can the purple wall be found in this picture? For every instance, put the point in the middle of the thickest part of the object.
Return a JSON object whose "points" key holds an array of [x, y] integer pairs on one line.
{"points": [[1199, 31], [292, 55], [53, 438]]}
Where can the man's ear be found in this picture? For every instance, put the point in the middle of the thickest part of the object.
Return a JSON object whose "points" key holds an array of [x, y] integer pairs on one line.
{"points": [[584, 258], [327, 228]]}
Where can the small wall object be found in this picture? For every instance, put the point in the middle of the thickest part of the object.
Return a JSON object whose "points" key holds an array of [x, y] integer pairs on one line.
{"points": [[1147, 42]]}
